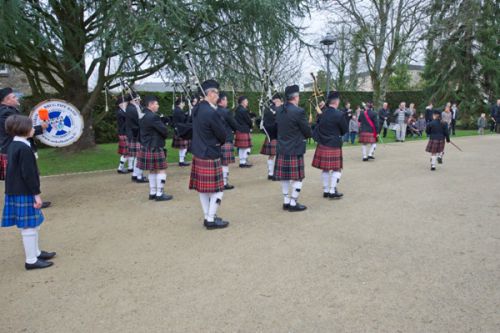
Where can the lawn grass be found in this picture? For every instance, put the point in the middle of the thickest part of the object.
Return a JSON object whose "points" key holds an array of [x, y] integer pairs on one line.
{"points": [[104, 157]]}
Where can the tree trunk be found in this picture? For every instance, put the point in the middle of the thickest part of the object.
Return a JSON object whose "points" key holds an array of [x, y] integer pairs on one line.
{"points": [[79, 97]]}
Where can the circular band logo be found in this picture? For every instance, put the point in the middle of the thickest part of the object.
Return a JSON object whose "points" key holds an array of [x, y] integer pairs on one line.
{"points": [[64, 120]]}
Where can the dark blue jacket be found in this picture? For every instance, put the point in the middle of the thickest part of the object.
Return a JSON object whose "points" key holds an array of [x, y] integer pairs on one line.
{"points": [[132, 122], [438, 130], [209, 132], [230, 124], [153, 131], [242, 117], [331, 127], [365, 125], [293, 130]]}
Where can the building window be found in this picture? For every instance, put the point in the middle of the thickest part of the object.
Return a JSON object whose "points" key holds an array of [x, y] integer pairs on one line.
{"points": [[3, 69]]}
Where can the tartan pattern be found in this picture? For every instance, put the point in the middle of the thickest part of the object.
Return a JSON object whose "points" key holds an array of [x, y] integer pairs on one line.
{"points": [[206, 176], [3, 166], [289, 167], [435, 146], [227, 154], [122, 145], [180, 143], [269, 148], [18, 211], [367, 137], [242, 140], [133, 147], [328, 158], [152, 159]]}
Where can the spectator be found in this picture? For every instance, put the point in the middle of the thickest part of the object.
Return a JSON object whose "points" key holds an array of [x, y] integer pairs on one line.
{"points": [[402, 114], [353, 128], [383, 119], [413, 110], [495, 117], [428, 113], [421, 124], [481, 124], [348, 115], [454, 117], [446, 115]]}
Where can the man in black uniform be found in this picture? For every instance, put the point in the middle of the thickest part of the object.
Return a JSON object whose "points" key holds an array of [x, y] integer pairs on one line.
{"points": [[227, 149], [209, 134], [269, 145], [328, 156], [383, 119], [153, 156], [133, 114], [180, 117], [293, 130], [243, 138], [121, 118]]}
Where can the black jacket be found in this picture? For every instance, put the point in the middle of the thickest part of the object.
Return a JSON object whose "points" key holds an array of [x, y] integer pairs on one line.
{"points": [[495, 112], [22, 176], [6, 139], [331, 127], [365, 125], [270, 121], [132, 123], [242, 117], [153, 131], [428, 114], [347, 114], [293, 130], [121, 119], [230, 125], [179, 116], [383, 114], [209, 132], [438, 130]]}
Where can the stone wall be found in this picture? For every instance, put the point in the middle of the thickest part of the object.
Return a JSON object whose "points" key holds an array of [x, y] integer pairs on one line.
{"points": [[12, 77]]}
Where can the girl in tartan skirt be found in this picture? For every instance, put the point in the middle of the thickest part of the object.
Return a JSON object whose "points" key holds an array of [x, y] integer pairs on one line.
{"points": [[209, 134], [152, 156], [121, 106], [269, 146], [243, 139], [180, 117], [227, 149], [22, 207], [437, 131], [293, 130], [368, 132], [331, 127]]}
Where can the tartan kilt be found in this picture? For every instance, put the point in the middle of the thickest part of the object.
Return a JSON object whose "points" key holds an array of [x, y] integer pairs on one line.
{"points": [[269, 148], [206, 176], [289, 167], [227, 154], [134, 147], [435, 146], [180, 143], [367, 137], [242, 140], [152, 159], [122, 145], [18, 211], [328, 158], [3, 166]]}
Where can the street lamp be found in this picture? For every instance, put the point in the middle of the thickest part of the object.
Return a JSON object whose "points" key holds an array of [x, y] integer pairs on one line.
{"points": [[327, 48]]}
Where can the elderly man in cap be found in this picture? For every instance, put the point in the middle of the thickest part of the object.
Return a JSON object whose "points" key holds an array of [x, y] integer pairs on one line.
{"points": [[209, 134], [293, 130], [9, 105]]}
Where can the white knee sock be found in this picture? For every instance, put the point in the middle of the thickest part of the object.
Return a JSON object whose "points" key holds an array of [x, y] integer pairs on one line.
{"points": [[121, 166], [285, 188], [38, 252], [161, 179], [270, 167], [130, 164], [297, 186], [30, 246], [152, 183], [334, 181], [372, 149], [242, 153], [137, 172], [225, 173], [433, 160], [325, 176], [363, 147], [215, 201], [182, 155], [205, 203]]}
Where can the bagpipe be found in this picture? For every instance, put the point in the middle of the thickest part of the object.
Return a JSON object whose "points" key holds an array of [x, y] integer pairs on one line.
{"points": [[265, 101], [317, 98]]}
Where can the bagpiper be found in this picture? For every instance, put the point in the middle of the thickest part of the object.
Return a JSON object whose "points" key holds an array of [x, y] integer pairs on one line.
{"points": [[328, 133], [133, 135], [121, 118], [269, 145], [227, 149], [209, 135], [180, 117], [368, 132], [437, 131], [293, 130], [243, 139]]}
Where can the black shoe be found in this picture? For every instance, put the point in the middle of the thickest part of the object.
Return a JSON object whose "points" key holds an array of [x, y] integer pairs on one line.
{"points": [[46, 204], [122, 171], [269, 177], [133, 178], [218, 223], [326, 195], [336, 195], [371, 157], [164, 197], [365, 159], [184, 164], [433, 168], [440, 160], [141, 180], [297, 208], [245, 165], [286, 206], [152, 196], [44, 255], [228, 187], [39, 264], [130, 170]]}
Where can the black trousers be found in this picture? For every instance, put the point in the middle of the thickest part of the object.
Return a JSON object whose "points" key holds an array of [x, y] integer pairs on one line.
{"points": [[453, 123]]}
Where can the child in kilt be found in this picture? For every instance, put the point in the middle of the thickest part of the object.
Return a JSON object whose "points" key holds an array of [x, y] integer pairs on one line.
{"points": [[227, 149], [22, 207], [121, 118], [270, 142], [331, 127], [243, 140], [209, 134], [368, 132], [437, 131], [152, 155]]}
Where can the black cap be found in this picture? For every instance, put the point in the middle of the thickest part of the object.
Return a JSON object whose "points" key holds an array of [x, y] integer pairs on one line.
{"points": [[209, 84], [4, 92], [150, 99], [222, 95], [291, 91], [241, 99], [277, 96], [333, 95]]}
